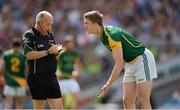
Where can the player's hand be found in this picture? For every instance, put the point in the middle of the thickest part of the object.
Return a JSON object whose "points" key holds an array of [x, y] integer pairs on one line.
{"points": [[104, 90], [75, 74], [59, 74]]}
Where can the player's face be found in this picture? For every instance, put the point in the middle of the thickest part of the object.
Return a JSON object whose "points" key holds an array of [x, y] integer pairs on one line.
{"points": [[17, 49], [69, 45], [89, 26]]}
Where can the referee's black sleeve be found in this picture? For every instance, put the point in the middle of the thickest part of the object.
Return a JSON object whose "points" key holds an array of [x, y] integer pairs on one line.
{"points": [[28, 42]]}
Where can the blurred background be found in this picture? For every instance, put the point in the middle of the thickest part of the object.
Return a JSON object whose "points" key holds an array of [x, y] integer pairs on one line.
{"points": [[154, 22]]}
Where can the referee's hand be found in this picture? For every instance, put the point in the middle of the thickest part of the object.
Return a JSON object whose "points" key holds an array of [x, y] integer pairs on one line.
{"points": [[104, 90], [54, 49]]}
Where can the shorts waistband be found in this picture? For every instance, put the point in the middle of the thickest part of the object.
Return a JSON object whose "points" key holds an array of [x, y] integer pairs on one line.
{"points": [[66, 76], [134, 60]]}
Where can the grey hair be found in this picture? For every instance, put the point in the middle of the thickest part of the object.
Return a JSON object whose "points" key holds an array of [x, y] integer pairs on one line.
{"points": [[41, 14]]}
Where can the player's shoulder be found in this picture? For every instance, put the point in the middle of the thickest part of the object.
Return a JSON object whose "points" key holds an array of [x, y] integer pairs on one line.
{"points": [[113, 32], [62, 52], [8, 52], [75, 52], [23, 57], [112, 29], [21, 54]]}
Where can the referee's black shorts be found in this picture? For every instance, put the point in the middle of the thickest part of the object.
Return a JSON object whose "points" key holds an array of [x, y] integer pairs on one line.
{"points": [[43, 86]]}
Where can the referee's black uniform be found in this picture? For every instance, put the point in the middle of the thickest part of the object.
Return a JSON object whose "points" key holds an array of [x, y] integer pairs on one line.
{"points": [[41, 77]]}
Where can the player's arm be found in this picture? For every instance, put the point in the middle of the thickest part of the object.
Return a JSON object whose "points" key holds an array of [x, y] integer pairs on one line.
{"points": [[118, 58], [58, 72], [77, 66], [1, 67], [117, 53]]}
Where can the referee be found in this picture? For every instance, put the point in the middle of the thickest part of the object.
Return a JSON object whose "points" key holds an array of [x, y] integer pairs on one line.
{"points": [[40, 50]]}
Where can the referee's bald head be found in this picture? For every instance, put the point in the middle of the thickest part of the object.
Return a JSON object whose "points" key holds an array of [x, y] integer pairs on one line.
{"points": [[44, 15], [44, 22]]}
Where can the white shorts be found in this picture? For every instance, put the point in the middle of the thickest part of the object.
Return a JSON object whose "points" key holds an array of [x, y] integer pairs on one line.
{"points": [[142, 70], [69, 86], [14, 91]]}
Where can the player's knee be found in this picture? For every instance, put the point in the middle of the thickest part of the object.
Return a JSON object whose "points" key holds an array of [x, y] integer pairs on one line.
{"points": [[144, 100], [9, 103], [19, 104], [128, 99], [8, 106], [128, 102]]}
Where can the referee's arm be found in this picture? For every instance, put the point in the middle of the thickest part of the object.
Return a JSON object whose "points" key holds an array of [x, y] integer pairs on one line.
{"points": [[31, 55], [29, 48], [36, 54]]}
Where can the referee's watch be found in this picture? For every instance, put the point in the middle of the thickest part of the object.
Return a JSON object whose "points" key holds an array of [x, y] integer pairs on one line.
{"points": [[47, 52]]}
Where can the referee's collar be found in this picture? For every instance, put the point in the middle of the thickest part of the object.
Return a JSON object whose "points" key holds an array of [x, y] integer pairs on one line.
{"points": [[36, 31]]}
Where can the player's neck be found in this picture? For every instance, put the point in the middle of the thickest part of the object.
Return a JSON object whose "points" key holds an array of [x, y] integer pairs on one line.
{"points": [[99, 31], [15, 50]]}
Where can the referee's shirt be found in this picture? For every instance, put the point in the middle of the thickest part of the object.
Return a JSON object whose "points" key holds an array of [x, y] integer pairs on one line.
{"points": [[32, 40]]}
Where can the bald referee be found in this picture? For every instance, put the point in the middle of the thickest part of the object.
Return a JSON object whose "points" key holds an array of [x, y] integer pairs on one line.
{"points": [[40, 50]]}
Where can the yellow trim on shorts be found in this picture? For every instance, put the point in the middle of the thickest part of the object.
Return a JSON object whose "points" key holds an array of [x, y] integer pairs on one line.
{"points": [[20, 81], [67, 75], [134, 60]]}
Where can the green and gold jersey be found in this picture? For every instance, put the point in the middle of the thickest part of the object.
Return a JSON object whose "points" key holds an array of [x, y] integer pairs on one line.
{"points": [[15, 63], [67, 60], [115, 37]]}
